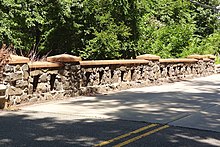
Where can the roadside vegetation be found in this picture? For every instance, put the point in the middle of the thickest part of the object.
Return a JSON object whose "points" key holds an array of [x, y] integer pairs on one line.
{"points": [[111, 29]]}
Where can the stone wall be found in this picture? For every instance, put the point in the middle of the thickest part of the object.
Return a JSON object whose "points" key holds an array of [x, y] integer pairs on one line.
{"points": [[104, 76], [66, 76], [16, 76], [42, 80]]}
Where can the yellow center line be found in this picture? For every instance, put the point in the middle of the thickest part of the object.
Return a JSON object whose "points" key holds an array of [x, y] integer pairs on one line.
{"points": [[141, 136], [125, 135]]}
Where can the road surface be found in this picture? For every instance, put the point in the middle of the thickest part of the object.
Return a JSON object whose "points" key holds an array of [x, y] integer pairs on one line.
{"points": [[185, 113]]}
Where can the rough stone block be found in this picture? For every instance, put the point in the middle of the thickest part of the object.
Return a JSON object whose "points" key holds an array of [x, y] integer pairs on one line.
{"points": [[33, 99], [14, 59], [116, 77], [2, 103], [30, 89], [59, 95], [106, 78], [17, 100], [44, 78], [64, 58], [25, 90], [156, 68], [25, 75], [66, 73], [14, 91], [107, 68], [157, 75], [24, 97], [30, 79], [67, 93], [58, 86], [21, 84], [25, 67], [127, 76], [42, 97], [66, 85], [148, 57], [123, 68], [145, 75], [9, 68], [148, 69], [134, 76], [52, 72], [12, 76], [48, 96], [88, 70], [67, 67], [17, 68], [43, 87], [36, 73]]}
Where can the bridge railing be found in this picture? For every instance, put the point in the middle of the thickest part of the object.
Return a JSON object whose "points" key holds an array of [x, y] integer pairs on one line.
{"points": [[66, 76]]}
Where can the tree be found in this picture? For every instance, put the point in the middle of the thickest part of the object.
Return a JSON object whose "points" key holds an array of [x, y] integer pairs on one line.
{"points": [[111, 29]]}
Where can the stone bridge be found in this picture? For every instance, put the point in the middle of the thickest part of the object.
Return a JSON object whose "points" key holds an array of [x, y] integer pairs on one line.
{"points": [[67, 76], [143, 102]]}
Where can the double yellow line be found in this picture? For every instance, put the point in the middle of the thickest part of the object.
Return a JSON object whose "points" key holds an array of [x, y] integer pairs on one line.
{"points": [[134, 138]]}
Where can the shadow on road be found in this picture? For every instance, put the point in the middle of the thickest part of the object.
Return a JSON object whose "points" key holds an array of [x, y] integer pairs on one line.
{"points": [[122, 112], [23, 130], [159, 107]]}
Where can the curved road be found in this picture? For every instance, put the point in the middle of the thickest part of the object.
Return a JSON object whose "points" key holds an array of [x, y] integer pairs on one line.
{"points": [[185, 113]]}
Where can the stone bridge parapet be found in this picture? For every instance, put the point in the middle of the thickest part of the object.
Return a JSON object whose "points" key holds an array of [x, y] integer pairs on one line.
{"points": [[67, 76]]}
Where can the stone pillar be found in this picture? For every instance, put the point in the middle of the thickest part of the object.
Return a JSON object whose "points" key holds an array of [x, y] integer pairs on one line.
{"points": [[15, 76], [3, 100], [70, 74], [211, 64], [152, 70]]}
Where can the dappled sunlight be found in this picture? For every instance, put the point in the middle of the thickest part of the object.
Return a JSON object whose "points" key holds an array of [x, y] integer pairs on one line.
{"points": [[47, 125], [163, 104], [74, 121], [50, 138], [208, 119], [5, 141], [181, 110], [87, 140], [210, 141], [37, 129]]}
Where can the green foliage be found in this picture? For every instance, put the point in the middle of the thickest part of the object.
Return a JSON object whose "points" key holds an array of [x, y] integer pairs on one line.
{"points": [[111, 29], [176, 29], [21, 22], [208, 45], [217, 60], [106, 33]]}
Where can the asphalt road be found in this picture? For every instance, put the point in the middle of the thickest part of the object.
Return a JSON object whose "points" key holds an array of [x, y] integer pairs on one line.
{"points": [[185, 114]]}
